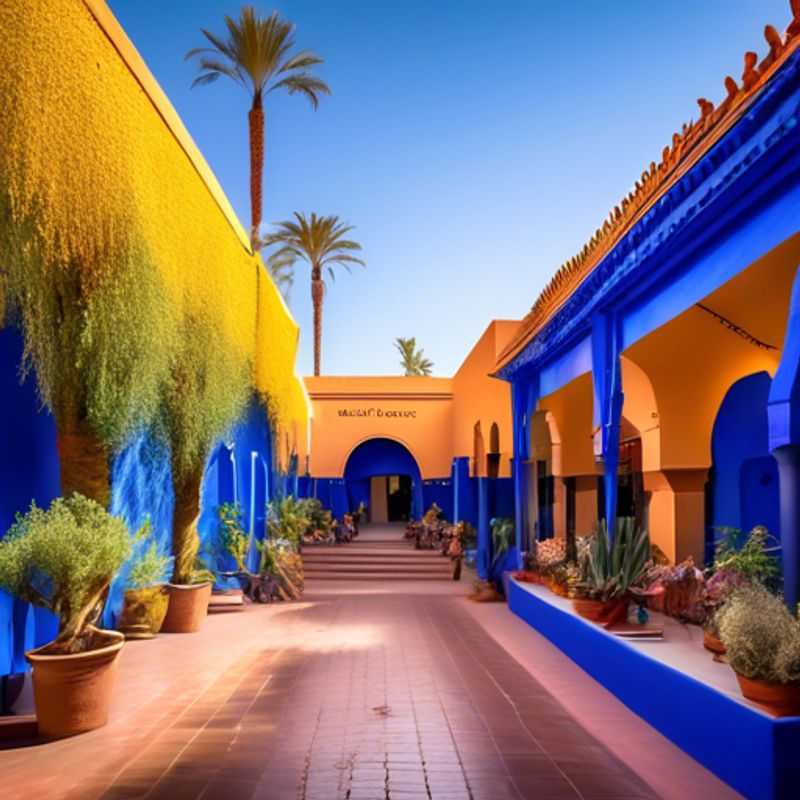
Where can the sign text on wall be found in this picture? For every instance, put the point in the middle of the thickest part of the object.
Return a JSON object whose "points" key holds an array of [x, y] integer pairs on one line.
{"points": [[377, 413]]}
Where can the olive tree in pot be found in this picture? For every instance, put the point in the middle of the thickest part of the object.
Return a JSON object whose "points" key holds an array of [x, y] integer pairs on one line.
{"points": [[762, 642], [63, 559], [208, 390]]}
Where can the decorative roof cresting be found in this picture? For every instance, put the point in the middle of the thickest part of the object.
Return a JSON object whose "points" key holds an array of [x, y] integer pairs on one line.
{"points": [[694, 139]]}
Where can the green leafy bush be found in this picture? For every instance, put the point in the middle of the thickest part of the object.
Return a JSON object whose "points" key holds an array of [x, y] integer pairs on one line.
{"points": [[746, 554], [150, 566], [63, 559], [318, 518], [289, 519], [761, 637], [231, 533]]}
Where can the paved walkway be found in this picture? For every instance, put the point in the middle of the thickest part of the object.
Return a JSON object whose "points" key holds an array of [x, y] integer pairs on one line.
{"points": [[361, 694]]}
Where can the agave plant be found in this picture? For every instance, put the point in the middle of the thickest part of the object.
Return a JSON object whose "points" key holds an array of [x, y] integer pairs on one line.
{"points": [[610, 571], [502, 537]]}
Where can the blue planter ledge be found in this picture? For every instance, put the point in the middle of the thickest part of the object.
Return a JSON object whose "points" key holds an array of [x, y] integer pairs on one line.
{"points": [[755, 753]]}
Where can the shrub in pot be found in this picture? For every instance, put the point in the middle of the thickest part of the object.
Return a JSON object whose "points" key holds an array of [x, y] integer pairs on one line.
{"points": [[207, 391], [762, 640], [63, 559], [739, 559], [146, 598], [233, 543], [610, 571]]}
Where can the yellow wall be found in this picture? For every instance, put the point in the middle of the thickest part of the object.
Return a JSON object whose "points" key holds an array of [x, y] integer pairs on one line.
{"points": [[91, 146]]}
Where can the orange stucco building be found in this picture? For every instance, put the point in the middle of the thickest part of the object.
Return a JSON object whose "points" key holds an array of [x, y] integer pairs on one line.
{"points": [[416, 428]]}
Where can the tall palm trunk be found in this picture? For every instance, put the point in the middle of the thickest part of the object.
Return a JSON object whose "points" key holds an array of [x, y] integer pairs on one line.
{"points": [[185, 540], [317, 294], [256, 121], [84, 462]]}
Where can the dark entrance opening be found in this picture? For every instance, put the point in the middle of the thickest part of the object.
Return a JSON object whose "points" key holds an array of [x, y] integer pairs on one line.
{"points": [[545, 492], [398, 488]]}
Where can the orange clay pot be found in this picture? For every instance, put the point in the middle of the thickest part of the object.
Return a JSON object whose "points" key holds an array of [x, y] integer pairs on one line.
{"points": [[600, 611], [188, 607], [588, 609], [780, 699], [713, 644], [73, 692]]}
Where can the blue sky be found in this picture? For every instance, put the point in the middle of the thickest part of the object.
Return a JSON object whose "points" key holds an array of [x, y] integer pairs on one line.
{"points": [[474, 145]]}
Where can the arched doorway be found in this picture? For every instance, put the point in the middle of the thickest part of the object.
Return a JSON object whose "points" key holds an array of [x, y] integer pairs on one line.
{"points": [[383, 474]]}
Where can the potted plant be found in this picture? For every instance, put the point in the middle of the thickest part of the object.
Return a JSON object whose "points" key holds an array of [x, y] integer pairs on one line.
{"points": [[234, 543], [739, 559], [609, 572], [762, 641], [207, 391], [63, 559], [146, 598]]}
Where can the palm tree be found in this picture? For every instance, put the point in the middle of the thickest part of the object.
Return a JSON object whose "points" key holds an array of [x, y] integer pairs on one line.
{"points": [[256, 55], [281, 269], [412, 360], [321, 242]]}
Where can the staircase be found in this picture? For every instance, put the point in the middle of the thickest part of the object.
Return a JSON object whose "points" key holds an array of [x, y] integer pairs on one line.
{"points": [[380, 553]]}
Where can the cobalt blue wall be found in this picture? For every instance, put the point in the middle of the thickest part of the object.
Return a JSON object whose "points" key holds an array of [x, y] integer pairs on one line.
{"points": [[745, 476], [439, 491], [358, 492], [234, 475], [141, 487], [29, 470], [332, 493], [501, 497]]}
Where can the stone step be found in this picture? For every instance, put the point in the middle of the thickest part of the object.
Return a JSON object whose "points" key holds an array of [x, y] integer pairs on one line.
{"points": [[392, 558], [377, 567], [374, 576]]}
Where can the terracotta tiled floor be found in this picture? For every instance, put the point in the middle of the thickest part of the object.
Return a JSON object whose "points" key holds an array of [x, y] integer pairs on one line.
{"points": [[363, 695]]}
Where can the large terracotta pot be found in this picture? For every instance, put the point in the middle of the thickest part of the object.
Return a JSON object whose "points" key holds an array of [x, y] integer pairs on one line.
{"points": [[588, 609], [73, 692], [188, 607], [606, 612], [780, 699], [615, 611], [713, 644], [143, 612]]}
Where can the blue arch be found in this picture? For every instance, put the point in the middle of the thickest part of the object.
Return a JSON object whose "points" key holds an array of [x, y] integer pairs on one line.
{"points": [[745, 474], [381, 456]]}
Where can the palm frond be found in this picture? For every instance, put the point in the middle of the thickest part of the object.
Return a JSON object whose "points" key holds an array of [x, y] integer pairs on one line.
{"points": [[412, 360], [302, 60], [255, 51], [304, 83]]}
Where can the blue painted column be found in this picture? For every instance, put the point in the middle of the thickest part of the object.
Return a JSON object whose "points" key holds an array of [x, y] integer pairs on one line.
{"points": [[455, 490], [417, 499], [788, 458], [524, 397], [484, 559], [783, 416], [608, 400]]}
